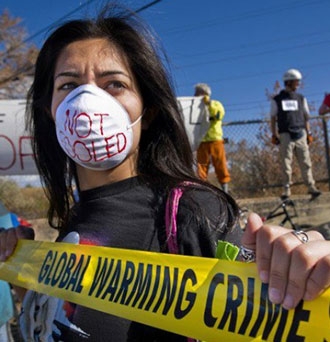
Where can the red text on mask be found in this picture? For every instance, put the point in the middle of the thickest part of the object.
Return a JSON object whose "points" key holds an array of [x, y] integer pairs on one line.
{"points": [[86, 148]]}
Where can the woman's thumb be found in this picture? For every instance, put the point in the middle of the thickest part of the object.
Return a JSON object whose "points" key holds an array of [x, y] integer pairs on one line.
{"points": [[254, 223]]}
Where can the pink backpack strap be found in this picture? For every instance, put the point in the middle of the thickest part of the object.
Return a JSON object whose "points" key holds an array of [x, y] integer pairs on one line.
{"points": [[171, 211]]}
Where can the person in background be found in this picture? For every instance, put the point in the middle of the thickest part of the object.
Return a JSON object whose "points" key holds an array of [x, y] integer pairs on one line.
{"points": [[325, 106], [290, 129], [212, 146], [8, 294], [106, 73], [6, 311]]}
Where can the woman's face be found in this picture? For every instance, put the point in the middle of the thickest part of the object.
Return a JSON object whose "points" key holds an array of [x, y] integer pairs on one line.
{"points": [[96, 61]]}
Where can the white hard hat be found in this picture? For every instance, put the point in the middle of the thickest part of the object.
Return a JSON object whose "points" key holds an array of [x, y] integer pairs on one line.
{"points": [[292, 75]]}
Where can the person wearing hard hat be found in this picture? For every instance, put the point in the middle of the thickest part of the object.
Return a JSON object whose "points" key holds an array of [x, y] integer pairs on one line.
{"points": [[291, 131], [212, 144]]}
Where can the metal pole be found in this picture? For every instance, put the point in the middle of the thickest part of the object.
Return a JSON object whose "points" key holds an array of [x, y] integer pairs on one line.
{"points": [[326, 141]]}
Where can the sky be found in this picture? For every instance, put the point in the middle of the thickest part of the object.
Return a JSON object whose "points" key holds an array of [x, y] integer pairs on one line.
{"points": [[239, 47]]}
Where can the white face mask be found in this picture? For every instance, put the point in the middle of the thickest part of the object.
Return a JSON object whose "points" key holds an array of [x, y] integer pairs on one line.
{"points": [[93, 128]]}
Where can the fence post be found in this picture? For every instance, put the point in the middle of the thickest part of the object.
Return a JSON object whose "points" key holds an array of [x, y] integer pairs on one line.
{"points": [[326, 144]]}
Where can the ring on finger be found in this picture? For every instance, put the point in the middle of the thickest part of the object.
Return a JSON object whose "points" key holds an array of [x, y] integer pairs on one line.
{"points": [[301, 236], [243, 218], [248, 255]]}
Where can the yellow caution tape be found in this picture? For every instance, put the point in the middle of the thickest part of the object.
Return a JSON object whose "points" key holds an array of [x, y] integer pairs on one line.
{"points": [[202, 298]]}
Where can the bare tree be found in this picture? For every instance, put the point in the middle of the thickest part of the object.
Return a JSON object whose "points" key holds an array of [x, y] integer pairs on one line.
{"points": [[17, 57], [276, 90]]}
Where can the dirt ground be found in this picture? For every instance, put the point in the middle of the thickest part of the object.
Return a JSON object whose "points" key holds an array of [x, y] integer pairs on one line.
{"points": [[42, 230], [305, 211]]}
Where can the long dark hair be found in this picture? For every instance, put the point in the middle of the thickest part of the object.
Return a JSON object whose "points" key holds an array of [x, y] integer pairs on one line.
{"points": [[165, 156]]}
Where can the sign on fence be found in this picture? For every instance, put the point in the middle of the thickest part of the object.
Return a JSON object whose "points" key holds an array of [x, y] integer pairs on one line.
{"points": [[195, 118], [16, 156]]}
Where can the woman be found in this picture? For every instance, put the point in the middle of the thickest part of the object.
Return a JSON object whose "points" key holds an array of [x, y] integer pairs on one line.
{"points": [[105, 118]]}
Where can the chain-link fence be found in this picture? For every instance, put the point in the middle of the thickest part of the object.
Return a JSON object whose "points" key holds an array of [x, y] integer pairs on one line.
{"points": [[253, 162]]}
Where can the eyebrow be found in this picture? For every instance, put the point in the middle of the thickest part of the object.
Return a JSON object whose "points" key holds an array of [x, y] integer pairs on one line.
{"points": [[102, 74]]}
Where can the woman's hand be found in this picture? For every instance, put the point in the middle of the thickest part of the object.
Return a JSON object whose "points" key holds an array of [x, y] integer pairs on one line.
{"points": [[9, 238], [294, 269]]}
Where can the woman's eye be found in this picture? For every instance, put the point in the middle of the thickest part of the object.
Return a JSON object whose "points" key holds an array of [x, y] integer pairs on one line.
{"points": [[115, 88], [116, 85], [68, 86]]}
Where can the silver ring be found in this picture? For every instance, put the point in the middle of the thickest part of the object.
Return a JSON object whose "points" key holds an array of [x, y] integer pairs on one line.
{"points": [[301, 236], [248, 255], [243, 218]]}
